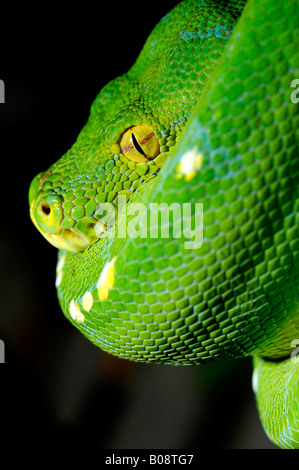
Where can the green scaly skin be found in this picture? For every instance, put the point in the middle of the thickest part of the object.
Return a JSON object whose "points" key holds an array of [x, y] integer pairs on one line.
{"points": [[237, 294]]}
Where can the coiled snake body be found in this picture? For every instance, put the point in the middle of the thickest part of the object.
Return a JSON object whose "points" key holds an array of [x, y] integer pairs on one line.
{"points": [[202, 123]]}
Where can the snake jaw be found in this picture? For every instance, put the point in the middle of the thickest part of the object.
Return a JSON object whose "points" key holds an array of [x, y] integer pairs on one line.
{"points": [[68, 239]]}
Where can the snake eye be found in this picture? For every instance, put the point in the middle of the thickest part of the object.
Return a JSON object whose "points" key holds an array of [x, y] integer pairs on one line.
{"points": [[139, 144]]}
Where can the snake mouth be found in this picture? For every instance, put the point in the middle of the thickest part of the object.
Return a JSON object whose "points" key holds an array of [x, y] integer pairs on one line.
{"points": [[68, 239]]}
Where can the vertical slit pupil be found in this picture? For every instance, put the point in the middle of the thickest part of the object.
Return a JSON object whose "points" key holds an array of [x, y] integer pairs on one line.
{"points": [[137, 146]]}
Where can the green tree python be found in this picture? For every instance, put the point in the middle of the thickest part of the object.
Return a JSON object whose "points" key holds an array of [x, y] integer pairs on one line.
{"points": [[203, 126]]}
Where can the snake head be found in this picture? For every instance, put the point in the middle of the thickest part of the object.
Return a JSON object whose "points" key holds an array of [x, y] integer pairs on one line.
{"points": [[66, 202], [134, 123]]}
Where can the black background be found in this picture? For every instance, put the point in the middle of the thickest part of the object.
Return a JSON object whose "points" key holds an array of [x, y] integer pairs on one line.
{"points": [[54, 61]]}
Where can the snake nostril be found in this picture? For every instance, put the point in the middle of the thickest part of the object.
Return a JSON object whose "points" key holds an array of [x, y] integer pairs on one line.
{"points": [[46, 209], [47, 213]]}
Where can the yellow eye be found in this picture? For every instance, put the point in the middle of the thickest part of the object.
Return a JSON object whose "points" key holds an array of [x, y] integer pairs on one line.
{"points": [[139, 144]]}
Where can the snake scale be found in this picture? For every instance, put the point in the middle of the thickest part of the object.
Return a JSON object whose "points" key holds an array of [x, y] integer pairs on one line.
{"points": [[203, 121]]}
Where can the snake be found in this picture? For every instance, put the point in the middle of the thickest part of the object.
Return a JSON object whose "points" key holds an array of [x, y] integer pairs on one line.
{"points": [[175, 212]]}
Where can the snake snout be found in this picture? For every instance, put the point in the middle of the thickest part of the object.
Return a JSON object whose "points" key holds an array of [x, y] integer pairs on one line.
{"points": [[46, 213]]}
